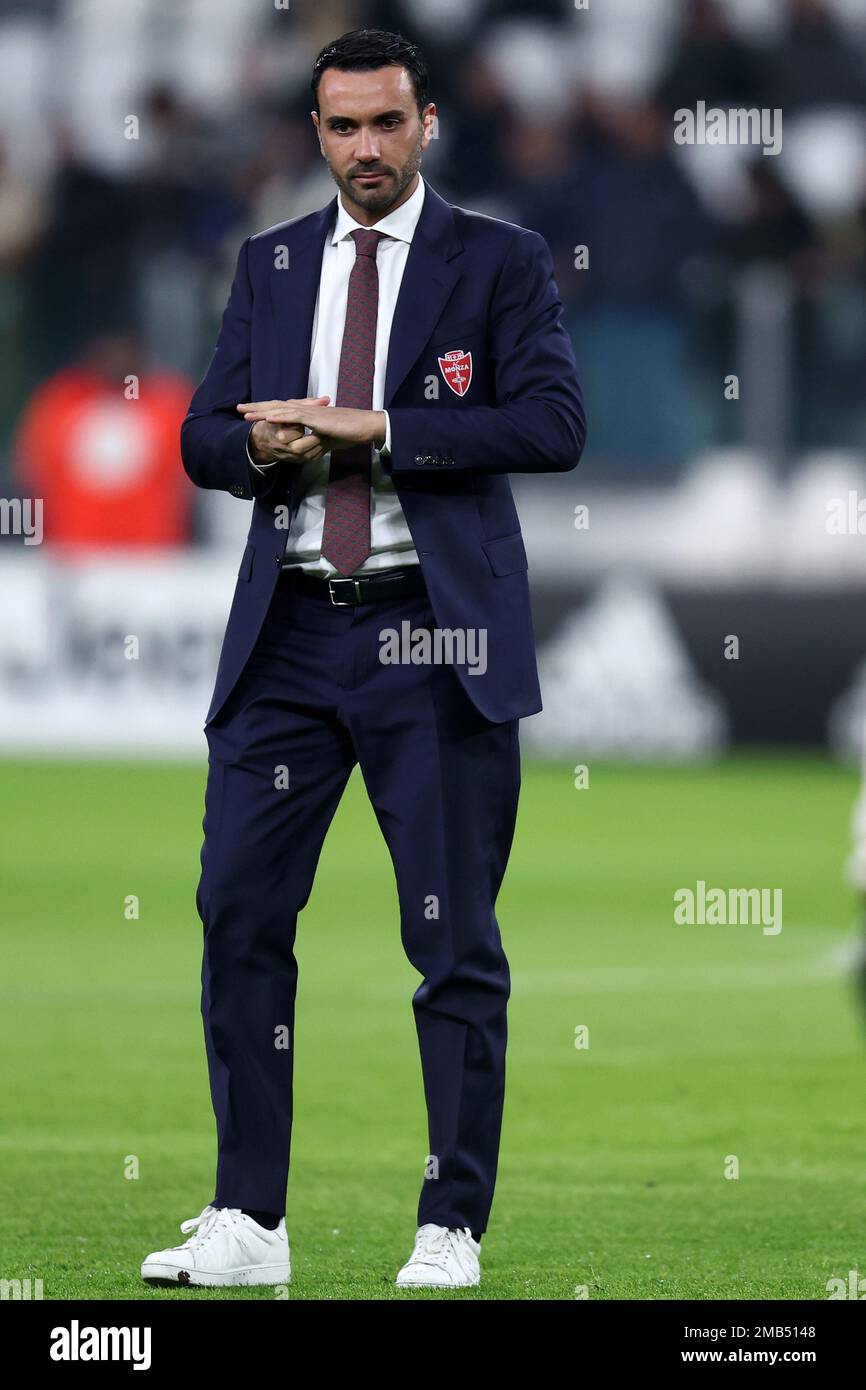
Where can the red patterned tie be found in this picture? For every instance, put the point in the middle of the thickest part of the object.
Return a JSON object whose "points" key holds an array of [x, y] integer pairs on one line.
{"points": [[346, 532]]}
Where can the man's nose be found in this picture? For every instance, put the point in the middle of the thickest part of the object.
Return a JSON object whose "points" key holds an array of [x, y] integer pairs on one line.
{"points": [[367, 147]]}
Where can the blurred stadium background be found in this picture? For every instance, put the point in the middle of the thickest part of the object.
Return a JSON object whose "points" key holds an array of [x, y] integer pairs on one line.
{"points": [[139, 144]]}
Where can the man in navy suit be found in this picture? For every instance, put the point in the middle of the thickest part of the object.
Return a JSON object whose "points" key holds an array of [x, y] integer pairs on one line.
{"points": [[382, 366]]}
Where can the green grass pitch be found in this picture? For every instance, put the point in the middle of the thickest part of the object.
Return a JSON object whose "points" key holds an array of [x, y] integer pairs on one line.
{"points": [[705, 1041]]}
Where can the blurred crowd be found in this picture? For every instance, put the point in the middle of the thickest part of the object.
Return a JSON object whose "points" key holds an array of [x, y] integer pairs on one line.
{"points": [[141, 141]]}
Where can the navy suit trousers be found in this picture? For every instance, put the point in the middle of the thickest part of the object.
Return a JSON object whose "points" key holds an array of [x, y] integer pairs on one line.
{"points": [[315, 698]]}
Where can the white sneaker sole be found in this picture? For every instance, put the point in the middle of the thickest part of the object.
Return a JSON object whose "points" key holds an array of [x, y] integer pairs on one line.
{"points": [[430, 1284], [223, 1278]]}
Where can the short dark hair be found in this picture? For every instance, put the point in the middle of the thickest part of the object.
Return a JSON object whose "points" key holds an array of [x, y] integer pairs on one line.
{"points": [[364, 50]]}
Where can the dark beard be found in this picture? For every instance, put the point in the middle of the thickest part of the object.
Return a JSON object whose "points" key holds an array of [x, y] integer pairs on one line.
{"points": [[380, 199]]}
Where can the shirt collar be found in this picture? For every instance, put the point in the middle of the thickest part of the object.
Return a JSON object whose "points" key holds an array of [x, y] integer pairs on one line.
{"points": [[400, 223]]}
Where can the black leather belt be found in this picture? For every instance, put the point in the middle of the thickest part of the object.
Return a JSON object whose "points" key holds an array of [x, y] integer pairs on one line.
{"points": [[347, 592]]}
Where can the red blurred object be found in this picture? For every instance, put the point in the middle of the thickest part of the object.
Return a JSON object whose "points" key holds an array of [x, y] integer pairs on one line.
{"points": [[108, 468]]}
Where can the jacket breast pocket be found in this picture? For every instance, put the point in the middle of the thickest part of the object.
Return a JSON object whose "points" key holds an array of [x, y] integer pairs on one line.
{"points": [[506, 554], [246, 570], [451, 335]]}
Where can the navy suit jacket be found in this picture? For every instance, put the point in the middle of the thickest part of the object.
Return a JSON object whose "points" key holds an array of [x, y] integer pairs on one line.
{"points": [[473, 284]]}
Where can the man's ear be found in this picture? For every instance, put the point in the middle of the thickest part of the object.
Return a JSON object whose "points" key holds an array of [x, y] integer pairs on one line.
{"points": [[315, 116]]}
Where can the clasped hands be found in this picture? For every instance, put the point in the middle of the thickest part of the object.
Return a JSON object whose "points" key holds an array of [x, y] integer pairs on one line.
{"points": [[279, 428]]}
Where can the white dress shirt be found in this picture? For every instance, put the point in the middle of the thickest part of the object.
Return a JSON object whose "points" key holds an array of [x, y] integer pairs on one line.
{"points": [[390, 538]]}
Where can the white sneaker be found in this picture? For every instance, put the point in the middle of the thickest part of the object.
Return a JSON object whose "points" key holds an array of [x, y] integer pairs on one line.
{"points": [[442, 1259], [227, 1248]]}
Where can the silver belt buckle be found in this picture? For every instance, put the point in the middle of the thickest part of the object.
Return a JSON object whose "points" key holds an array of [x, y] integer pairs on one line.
{"points": [[348, 602]]}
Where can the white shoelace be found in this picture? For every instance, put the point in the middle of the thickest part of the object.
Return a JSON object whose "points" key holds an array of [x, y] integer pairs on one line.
{"points": [[431, 1242], [211, 1221]]}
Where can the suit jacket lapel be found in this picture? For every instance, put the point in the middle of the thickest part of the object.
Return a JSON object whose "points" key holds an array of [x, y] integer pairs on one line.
{"points": [[293, 299], [428, 280], [294, 291]]}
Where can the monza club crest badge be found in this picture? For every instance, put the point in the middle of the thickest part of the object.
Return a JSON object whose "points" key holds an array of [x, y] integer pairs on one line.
{"points": [[456, 367]]}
